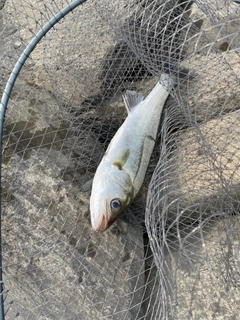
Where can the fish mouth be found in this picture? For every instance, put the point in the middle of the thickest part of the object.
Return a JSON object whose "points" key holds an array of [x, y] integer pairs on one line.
{"points": [[104, 223]]}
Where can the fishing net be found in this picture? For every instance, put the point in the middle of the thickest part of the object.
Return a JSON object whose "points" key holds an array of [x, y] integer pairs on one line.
{"points": [[174, 254]]}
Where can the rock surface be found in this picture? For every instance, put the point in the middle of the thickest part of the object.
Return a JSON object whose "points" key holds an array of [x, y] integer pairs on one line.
{"points": [[55, 266], [207, 163], [67, 95], [202, 272], [194, 193]]}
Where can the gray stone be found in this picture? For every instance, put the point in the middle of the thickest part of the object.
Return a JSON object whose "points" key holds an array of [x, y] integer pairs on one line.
{"points": [[206, 166], [54, 264], [204, 277]]}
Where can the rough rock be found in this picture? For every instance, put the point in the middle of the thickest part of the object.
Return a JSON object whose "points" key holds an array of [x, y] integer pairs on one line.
{"points": [[208, 95], [219, 12], [55, 265], [202, 273], [85, 63], [196, 207], [194, 194], [207, 22], [206, 165]]}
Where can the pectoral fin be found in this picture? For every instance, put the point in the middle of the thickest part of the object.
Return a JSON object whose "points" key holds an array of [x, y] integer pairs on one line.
{"points": [[121, 158], [131, 99]]}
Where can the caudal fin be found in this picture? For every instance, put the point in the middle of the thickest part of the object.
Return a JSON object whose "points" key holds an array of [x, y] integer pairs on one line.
{"points": [[173, 74]]}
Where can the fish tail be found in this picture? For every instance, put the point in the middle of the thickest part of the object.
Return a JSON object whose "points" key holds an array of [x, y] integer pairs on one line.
{"points": [[173, 74]]}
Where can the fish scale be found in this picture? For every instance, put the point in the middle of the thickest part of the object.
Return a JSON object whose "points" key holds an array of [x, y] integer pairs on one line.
{"points": [[121, 172]]}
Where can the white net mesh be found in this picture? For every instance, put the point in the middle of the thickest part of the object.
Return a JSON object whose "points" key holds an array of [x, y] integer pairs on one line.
{"points": [[174, 254]]}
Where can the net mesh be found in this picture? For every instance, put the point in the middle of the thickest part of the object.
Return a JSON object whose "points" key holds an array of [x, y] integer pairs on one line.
{"points": [[174, 254]]}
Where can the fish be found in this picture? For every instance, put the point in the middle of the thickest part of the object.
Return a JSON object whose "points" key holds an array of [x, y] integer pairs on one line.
{"points": [[121, 172]]}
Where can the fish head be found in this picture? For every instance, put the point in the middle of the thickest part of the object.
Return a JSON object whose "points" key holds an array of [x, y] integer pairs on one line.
{"points": [[112, 192]]}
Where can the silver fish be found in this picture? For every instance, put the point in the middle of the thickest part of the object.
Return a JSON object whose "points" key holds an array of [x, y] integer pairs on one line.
{"points": [[121, 172]]}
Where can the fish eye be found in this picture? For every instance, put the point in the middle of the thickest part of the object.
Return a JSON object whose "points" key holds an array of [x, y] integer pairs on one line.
{"points": [[116, 205]]}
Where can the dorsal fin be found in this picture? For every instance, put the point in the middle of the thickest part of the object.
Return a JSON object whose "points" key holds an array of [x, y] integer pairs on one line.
{"points": [[131, 99]]}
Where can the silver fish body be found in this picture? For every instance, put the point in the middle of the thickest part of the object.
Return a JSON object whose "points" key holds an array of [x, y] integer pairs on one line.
{"points": [[121, 172]]}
